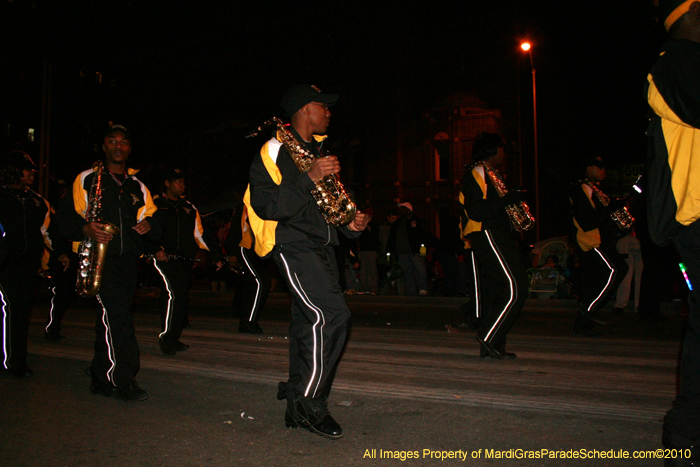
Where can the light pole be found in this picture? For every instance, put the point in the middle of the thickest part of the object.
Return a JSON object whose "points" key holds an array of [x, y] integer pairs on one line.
{"points": [[527, 48]]}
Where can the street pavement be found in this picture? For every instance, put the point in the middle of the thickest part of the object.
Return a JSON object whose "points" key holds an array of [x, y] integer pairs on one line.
{"points": [[410, 390]]}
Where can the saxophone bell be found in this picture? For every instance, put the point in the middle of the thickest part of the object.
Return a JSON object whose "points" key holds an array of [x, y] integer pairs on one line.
{"points": [[91, 258], [92, 254]]}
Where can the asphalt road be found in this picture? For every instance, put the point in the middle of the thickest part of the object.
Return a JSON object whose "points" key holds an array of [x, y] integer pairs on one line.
{"points": [[410, 385]]}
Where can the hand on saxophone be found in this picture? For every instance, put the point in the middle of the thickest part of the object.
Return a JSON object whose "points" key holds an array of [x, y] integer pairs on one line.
{"points": [[359, 223], [95, 231], [323, 166]]}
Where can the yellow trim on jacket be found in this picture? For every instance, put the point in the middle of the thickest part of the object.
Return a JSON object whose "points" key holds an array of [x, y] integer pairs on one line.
{"points": [[473, 226], [682, 141], [246, 233], [263, 230]]}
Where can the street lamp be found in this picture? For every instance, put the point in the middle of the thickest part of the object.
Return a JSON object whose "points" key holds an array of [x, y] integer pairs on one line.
{"points": [[528, 48]]}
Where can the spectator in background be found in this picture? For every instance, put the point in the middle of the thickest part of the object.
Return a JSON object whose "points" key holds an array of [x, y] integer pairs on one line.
{"points": [[384, 259], [407, 243], [631, 250], [368, 250]]}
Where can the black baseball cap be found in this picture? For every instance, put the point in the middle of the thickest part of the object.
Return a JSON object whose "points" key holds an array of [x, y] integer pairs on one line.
{"points": [[20, 160], [299, 95], [593, 161], [117, 128], [172, 174]]}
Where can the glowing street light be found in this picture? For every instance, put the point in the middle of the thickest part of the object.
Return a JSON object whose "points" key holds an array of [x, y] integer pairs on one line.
{"points": [[528, 48]]}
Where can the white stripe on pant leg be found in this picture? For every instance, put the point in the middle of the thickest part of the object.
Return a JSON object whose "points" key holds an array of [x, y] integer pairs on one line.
{"points": [[513, 290], [108, 340], [168, 313], [477, 297], [53, 297], [320, 335], [255, 275], [317, 366], [6, 347], [612, 272]]}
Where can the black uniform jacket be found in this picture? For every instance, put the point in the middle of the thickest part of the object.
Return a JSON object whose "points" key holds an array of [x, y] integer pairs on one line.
{"points": [[183, 233], [592, 224], [673, 168], [25, 216], [483, 208], [289, 203], [123, 205]]}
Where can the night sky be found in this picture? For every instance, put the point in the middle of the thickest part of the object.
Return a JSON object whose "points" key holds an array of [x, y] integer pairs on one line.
{"points": [[175, 70]]}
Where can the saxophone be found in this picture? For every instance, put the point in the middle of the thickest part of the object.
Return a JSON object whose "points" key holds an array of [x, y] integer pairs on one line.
{"points": [[518, 213], [622, 217], [91, 254], [335, 204]]}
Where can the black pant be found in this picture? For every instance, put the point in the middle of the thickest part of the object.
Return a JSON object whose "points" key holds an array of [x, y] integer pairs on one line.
{"points": [[63, 289], [602, 270], [116, 357], [320, 316], [252, 287], [174, 296], [17, 281], [682, 422], [501, 283]]}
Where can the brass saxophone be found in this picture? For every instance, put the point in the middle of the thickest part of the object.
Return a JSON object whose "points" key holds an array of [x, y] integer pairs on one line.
{"points": [[518, 213], [336, 205], [91, 254], [622, 217]]}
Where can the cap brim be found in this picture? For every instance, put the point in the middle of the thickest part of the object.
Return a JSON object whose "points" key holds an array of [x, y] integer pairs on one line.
{"points": [[329, 99]]}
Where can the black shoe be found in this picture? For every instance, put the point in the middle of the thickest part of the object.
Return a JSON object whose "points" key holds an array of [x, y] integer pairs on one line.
{"points": [[97, 386], [591, 316], [313, 415], [484, 353], [53, 336], [131, 394], [617, 310], [309, 414], [179, 346], [166, 348], [249, 327], [22, 371], [491, 350]]}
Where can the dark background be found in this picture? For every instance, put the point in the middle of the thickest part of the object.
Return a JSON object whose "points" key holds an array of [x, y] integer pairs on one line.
{"points": [[190, 79]]}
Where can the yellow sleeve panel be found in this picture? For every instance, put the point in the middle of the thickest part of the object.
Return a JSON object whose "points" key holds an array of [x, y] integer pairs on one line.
{"points": [[199, 232], [246, 233], [472, 226], [264, 231], [80, 199], [80, 195], [682, 140], [149, 208], [45, 259]]}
